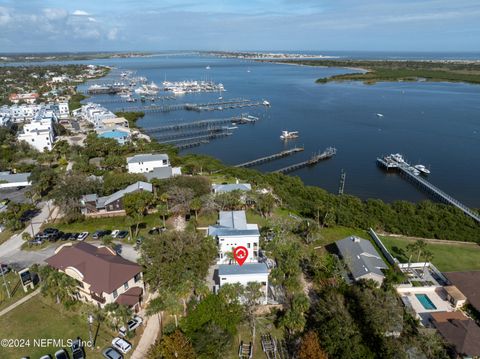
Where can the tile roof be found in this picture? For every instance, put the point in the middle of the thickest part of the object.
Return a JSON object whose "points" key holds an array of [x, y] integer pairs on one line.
{"points": [[468, 283], [103, 270]]}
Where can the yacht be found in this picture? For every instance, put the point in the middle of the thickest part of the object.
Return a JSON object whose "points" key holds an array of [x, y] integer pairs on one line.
{"points": [[286, 135], [397, 157], [266, 103], [379, 115], [422, 169]]}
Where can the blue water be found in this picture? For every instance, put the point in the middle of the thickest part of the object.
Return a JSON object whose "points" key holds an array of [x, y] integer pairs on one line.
{"points": [[436, 124], [426, 302]]}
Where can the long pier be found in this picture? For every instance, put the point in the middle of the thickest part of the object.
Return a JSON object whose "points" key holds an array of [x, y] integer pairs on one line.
{"points": [[209, 106], [197, 138], [328, 153], [207, 131], [270, 157], [406, 171]]}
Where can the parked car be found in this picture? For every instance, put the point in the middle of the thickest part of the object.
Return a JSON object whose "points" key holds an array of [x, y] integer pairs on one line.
{"points": [[4, 269], [53, 237], [132, 324], [101, 233], [122, 345], [74, 236], [77, 349], [122, 234], [39, 239], [65, 236], [61, 354], [82, 236], [48, 356], [111, 353], [50, 230], [157, 230], [115, 233]]}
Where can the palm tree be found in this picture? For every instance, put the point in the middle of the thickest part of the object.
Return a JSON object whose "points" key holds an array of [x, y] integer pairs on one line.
{"points": [[427, 256], [196, 205], [120, 314], [162, 210], [420, 246], [166, 302]]}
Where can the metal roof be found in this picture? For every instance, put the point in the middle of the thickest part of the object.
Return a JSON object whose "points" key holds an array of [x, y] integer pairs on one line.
{"points": [[247, 268], [147, 157], [159, 173], [360, 256], [223, 188], [233, 223]]}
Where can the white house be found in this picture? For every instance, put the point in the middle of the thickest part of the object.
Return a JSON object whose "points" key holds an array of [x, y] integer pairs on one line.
{"points": [[38, 134], [152, 165], [9, 180], [247, 273], [232, 231]]}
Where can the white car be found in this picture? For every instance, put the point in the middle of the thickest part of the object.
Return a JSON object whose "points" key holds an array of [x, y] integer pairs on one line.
{"points": [[132, 324], [115, 233], [122, 345], [82, 236]]}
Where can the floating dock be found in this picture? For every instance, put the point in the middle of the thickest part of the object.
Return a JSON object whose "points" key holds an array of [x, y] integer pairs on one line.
{"points": [[328, 153], [406, 171], [270, 157]]}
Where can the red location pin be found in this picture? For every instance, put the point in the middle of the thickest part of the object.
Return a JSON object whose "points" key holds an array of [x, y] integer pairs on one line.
{"points": [[240, 254]]}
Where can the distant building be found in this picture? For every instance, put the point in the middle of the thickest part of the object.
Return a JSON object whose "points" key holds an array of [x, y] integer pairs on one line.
{"points": [[362, 259], [38, 134], [247, 273], [10, 180], [152, 166], [102, 275], [24, 97], [232, 231], [107, 206], [460, 332], [121, 135], [224, 188]]}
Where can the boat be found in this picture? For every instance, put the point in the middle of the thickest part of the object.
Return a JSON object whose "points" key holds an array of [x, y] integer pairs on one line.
{"points": [[397, 157], [266, 103], [422, 169], [286, 135], [379, 115], [220, 97], [207, 68], [415, 172]]}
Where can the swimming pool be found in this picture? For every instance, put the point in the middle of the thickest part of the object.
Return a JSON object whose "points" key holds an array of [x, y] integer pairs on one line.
{"points": [[426, 302]]}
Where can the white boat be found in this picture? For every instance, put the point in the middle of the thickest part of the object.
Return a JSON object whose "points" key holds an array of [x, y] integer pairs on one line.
{"points": [[379, 115], [398, 157], [220, 97], [207, 68], [286, 135], [266, 103], [415, 172], [422, 169]]}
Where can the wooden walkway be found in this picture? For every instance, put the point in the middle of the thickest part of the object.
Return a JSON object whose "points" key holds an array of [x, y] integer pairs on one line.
{"points": [[269, 158], [328, 153]]}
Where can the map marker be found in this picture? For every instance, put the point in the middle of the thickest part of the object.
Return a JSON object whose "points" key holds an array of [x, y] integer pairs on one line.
{"points": [[240, 254]]}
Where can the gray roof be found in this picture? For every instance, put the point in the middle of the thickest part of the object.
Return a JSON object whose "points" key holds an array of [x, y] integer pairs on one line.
{"points": [[233, 223], [222, 188], [101, 202], [147, 157], [159, 173], [247, 268], [14, 177], [360, 256]]}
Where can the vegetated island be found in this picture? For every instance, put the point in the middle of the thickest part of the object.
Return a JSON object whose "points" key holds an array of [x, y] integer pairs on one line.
{"points": [[386, 70], [69, 56]]}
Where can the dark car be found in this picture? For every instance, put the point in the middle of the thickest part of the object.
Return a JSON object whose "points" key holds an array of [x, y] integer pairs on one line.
{"points": [[73, 236], [65, 236], [111, 353], [61, 354], [122, 234], [100, 234], [77, 349], [51, 231], [53, 237], [157, 230]]}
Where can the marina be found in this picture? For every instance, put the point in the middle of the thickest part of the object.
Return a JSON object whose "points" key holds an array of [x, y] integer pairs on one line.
{"points": [[271, 157], [328, 153], [397, 163]]}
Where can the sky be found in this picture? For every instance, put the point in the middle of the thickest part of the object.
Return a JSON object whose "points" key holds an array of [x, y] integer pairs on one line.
{"points": [[315, 25]]}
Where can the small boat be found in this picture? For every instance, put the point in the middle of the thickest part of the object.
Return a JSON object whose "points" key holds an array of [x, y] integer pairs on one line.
{"points": [[397, 157], [415, 172], [220, 97], [286, 135], [207, 68], [379, 115], [266, 103], [422, 169]]}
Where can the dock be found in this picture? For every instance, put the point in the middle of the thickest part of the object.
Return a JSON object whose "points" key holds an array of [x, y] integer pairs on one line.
{"points": [[272, 157], [196, 138], [184, 146], [406, 171], [328, 153], [198, 107]]}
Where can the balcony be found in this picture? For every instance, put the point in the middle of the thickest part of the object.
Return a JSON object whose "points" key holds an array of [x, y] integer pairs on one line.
{"points": [[97, 298]]}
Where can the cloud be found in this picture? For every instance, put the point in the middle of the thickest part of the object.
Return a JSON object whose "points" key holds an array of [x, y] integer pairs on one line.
{"points": [[55, 14], [5, 16], [112, 34], [80, 13]]}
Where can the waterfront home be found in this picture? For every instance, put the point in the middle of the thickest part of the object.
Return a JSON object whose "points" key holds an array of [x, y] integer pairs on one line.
{"points": [[94, 113], [231, 231], [109, 206], [362, 259], [247, 273], [460, 332], [10, 180], [152, 166], [225, 188], [102, 275], [468, 283]]}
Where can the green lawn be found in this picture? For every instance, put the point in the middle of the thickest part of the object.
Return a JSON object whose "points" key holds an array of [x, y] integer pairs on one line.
{"points": [[15, 288], [446, 257], [41, 318], [5, 235], [330, 235]]}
